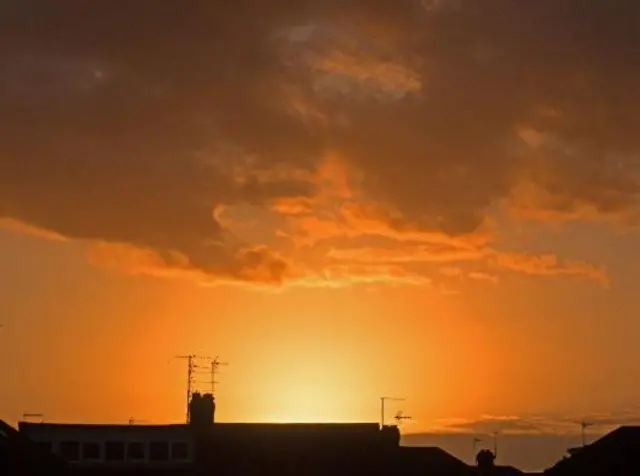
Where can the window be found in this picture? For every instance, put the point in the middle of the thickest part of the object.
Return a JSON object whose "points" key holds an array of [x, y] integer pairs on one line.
{"points": [[159, 451], [179, 450], [70, 450], [136, 451], [91, 451], [114, 451]]}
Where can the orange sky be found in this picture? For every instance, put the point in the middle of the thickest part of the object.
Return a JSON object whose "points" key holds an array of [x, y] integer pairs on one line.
{"points": [[81, 342], [343, 200]]}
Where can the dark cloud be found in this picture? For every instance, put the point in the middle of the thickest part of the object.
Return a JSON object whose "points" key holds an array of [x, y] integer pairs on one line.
{"points": [[131, 124]]}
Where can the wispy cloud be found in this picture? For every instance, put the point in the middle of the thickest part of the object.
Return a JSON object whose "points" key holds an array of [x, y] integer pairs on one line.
{"points": [[551, 265], [551, 424]]}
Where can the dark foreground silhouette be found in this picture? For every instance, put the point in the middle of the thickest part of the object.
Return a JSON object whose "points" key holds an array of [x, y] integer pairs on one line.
{"points": [[204, 447]]}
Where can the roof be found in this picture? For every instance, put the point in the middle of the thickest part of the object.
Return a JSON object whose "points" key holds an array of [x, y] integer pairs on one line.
{"points": [[302, 427], [46, 430], [225, 431], [295, 434], [6, 430], [25, 425], [431, 460], [618, 448], [507, 471], [227, 427], [20, 454]]}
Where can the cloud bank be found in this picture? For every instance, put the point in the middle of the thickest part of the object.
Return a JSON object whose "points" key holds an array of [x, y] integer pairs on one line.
{"points": [[362, 141]]}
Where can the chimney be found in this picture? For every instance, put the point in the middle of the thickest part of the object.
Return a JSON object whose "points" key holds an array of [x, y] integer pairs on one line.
{"points": [[202, 410]]}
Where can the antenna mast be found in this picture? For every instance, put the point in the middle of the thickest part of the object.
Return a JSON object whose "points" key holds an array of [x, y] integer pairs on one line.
{"points": [[382, 401], [476, 440], [583, 427], [191, 367]]}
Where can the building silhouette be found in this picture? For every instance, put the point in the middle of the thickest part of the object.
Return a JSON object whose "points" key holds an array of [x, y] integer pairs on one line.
{"points": [[206, 446], [615, 454], [19, 455]]}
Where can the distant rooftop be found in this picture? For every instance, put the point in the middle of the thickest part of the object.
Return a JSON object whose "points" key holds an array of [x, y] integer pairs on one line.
{"points": [[617, 449], [433, 458]]}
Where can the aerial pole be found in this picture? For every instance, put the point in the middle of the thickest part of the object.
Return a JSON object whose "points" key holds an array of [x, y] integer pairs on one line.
{"points": [[476, 440], [191, 366], [382, 402], [583, 428]]}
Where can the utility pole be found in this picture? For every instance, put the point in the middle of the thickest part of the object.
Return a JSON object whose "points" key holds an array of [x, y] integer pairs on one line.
{"points": [[495, 444], [191, 366], [382, 402], [215, 364]]}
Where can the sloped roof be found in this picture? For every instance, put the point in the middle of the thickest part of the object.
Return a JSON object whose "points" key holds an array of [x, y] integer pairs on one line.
{"points": [[6, 430], [430, 460], [19, 454], [617, 449], [507, 471]]}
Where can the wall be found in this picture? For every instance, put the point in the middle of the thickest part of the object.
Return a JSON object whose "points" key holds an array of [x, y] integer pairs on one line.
{"points": [[120, 445]]}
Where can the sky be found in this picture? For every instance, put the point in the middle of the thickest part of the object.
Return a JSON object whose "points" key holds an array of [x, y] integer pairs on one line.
{"points": [[434, 200]]}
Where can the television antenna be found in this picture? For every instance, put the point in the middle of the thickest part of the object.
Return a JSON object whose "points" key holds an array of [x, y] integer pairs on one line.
{"points": [[583, 430], [400, 417], [495, 443], [382, 404], [191, 368], [215, 364], [28, 416], [476, 440]]}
